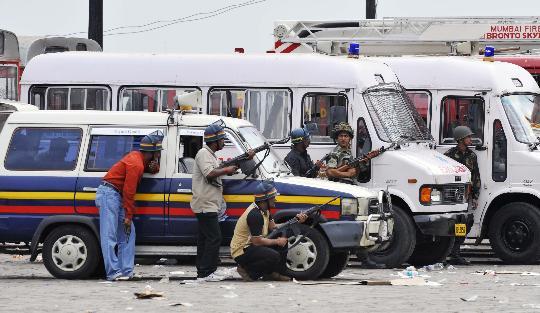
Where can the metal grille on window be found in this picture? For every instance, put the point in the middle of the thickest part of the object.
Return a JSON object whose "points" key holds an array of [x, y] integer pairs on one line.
{"points": [[394, 115]]}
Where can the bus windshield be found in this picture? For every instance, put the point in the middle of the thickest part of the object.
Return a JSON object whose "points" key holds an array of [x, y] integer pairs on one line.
{"points": [[394, 115], [523, 112], [272, 163]]}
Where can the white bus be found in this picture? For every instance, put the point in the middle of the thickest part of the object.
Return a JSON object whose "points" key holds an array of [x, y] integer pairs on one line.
{"points": [[10, 63], [278, 93], [500, 102]]}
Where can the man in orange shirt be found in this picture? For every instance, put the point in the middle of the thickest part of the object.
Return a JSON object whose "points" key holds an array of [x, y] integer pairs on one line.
{"points": [[115, 198]]}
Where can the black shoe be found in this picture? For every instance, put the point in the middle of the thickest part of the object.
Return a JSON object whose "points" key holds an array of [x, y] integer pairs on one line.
{"points": [[458, 260]]}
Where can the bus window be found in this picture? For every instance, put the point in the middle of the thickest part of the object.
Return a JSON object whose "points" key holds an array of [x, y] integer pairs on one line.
{"points": [[151, 99], [462, 111], [81, 47], [499, 152], [57, 99], [76, 99], [96, 99], [8, 82], [321, 113], [421, 101], [267, 109], [54, 49], [167, 97]]}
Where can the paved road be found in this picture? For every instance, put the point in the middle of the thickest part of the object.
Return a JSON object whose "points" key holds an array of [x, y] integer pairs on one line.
{"points": [[28, 287]]}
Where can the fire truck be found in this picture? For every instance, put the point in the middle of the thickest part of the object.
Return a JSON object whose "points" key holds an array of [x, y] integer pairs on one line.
{"points": [[499, 101]]}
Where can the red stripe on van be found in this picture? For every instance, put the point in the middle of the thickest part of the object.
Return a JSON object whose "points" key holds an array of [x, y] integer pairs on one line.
{"points": [[34, 209]]}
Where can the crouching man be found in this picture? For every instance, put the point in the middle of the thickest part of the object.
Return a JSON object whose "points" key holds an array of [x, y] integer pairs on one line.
{"points": [[256, 255]]}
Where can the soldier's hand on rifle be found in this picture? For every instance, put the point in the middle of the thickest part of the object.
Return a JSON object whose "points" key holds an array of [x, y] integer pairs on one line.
{"points": [[230, 169], [302, 217], [319, 164], [281, 241], [251, 154]]}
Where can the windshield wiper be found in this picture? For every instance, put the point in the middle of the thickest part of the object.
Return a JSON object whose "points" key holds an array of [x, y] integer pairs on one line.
{"points": [[534, 145]]}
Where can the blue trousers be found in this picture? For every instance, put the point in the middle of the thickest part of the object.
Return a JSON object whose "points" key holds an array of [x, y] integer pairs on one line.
{"points": [[112, 234]]}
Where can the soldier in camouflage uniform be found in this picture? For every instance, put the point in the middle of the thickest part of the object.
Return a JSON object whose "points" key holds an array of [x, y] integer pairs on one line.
{"points": [[343, 134], [462, 154]]}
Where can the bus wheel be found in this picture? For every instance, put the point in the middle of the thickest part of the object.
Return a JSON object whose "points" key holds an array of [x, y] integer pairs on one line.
{"points": [[309, 258], [71, 252], [399, 249], [432, 251], [514, 233], [336, 264]]}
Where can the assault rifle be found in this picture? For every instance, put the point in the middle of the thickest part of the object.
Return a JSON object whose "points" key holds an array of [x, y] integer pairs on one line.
{"points": [[313, 212], [365, 158], [242, 159], [314, 168]]}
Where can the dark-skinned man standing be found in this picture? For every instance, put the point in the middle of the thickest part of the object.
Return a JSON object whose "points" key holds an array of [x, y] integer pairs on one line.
{"points": [[115, 199], [462, 154], [207, 199]]}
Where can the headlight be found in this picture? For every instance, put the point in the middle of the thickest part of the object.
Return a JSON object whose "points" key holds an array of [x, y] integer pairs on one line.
{"points": [[349, 206], [443, 194]]}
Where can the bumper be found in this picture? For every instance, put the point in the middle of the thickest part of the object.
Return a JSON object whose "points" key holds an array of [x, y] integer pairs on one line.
{"points": [[440, 224], [357, 234]]}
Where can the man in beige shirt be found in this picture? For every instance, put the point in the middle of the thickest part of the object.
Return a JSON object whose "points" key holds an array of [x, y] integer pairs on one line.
{"points": [[256, 255], [207, 197]]}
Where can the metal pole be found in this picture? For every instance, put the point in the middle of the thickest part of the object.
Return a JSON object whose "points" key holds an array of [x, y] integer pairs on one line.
{"points": [[371, 9], [95, 21]]}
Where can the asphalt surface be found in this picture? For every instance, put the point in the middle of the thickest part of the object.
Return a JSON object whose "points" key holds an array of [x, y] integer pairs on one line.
{"points": [[487, 285]]}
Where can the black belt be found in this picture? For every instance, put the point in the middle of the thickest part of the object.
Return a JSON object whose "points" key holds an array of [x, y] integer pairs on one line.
{"points": [[107, 184]]}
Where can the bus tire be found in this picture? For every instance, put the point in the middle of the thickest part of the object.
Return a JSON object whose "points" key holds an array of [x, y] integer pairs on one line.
{"points": [[401, 246], [71, 252], [514, 233], [432, 251], [336, 264], [309, 259]]}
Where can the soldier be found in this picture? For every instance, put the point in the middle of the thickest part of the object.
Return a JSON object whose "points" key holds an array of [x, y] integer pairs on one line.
{"points": [[115, 198], [298, 158], [462, 154], [343, 134], [256, 255]]}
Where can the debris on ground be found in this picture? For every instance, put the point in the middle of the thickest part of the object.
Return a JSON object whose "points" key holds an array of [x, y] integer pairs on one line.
{"points": [[230, 295], [493, 273], [177, 273], [148, 293], [164, 280], [186, 304], [414, 281], [470, 299]]}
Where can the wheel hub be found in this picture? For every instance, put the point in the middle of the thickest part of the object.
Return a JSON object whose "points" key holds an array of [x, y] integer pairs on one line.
{"points": [[302, 256], [516, 235], [69, 253]]}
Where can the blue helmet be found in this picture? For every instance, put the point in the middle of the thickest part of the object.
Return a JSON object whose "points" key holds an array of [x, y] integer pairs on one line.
{"points": [[265, 190], [213, 132], [152, 142], [298, 135]]}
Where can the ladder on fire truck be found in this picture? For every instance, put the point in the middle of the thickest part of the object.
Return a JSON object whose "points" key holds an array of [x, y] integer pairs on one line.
{"points": [[395, 36]]}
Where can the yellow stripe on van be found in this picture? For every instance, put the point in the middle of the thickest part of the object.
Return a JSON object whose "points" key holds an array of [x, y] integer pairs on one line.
{"points": [[36, 195], [179, 197], [152, 197]]}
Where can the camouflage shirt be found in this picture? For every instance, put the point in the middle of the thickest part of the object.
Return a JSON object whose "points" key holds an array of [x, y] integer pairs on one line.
{"points": [[468, 158], [340, 156]]}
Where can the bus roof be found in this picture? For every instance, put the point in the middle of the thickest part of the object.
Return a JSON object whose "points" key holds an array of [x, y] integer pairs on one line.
{"points": [[121, 118], [460, 73], [204, 70], [31, 46]]}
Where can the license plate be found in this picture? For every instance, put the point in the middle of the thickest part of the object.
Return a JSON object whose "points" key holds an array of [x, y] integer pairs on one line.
{"points": [[461, 230]]}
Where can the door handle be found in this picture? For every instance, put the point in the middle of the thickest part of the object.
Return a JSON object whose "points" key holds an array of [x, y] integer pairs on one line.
{"points": [[183, 190], [89, 189]]}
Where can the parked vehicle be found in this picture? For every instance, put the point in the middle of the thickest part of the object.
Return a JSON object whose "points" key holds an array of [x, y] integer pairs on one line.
{"points": [[10, 63], [500, 102], [278, 93], [53, 163]]}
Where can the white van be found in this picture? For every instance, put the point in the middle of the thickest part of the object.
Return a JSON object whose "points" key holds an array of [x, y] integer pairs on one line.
{"points": [[500, 102], [53, 163], [278, 93]]}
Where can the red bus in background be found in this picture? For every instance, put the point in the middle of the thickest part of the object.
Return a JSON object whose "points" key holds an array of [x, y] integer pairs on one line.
{"points": [[529, 62], [10, 66]]}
